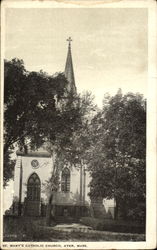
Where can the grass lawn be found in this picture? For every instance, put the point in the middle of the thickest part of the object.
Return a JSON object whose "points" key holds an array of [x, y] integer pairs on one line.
{"points": [[28, 229]]}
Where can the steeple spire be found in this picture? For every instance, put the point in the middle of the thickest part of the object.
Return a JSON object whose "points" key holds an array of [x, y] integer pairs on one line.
{"points": [[69, 72]]}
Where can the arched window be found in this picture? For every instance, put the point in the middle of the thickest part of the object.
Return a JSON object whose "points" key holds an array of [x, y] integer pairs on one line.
{"points": [[65, 180], [33, 188]]}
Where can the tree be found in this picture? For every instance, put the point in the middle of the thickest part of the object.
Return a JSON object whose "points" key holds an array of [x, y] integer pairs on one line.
{"points": [[75, 148], [70, 146], [30, 98], [38, 110], [8, 168], [118, 159]]}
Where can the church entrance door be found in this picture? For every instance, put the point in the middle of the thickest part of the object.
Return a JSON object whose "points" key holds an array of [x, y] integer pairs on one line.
{"points": [[32, 205]]}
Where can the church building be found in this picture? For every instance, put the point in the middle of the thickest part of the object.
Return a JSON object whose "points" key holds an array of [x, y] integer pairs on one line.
{"points": [[33, 169]]}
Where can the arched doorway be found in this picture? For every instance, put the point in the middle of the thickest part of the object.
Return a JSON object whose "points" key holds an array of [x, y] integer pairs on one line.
{"points": [[33, 195], [33, 188]]}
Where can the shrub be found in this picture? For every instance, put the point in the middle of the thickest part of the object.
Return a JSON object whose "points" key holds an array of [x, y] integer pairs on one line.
{"points": [[113, 225], [138, 213]]}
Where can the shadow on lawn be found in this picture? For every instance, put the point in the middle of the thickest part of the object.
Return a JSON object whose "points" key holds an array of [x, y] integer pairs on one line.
{"points": [[33, 229]]}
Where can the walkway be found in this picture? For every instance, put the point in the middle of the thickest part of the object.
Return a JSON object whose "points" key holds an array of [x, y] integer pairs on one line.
{"points": [[75, 227]]}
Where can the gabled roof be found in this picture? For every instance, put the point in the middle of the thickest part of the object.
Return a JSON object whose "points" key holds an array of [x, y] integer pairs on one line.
{"points": [[43, 154]]}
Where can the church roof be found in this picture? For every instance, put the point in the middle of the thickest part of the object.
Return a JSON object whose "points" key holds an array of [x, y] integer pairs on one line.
{"points": [[69, 72], [34, 154]]}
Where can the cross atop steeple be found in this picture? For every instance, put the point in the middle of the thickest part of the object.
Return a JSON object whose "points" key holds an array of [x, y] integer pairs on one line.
{"points": [[69, 40]]}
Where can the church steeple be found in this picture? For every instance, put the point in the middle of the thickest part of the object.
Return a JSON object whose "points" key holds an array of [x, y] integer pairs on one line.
{"points": [[69, 72]]}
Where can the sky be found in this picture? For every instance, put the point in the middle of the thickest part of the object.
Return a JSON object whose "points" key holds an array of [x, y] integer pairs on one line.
{"points": [[109, 47]]}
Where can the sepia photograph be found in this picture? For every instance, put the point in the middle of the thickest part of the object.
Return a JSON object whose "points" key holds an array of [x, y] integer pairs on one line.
{"points": [[75, 92]]}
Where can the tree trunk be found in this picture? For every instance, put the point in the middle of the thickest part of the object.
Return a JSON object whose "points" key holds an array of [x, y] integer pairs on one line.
{"points": [[124, 210], [91, 210], [20, 190], [81, 183], [48, 211], [116, 209]]}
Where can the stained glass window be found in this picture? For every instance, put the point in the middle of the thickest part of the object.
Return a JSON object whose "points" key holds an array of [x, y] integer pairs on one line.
{"points": [[65, 180]]}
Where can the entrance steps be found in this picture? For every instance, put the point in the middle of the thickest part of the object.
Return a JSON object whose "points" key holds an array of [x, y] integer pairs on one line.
{"points": [[63, 219]]}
